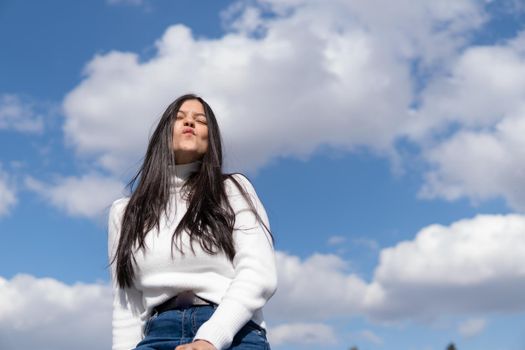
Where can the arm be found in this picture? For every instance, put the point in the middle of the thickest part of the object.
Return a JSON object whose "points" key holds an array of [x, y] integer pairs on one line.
{"points": [[255, 278], [126, 325]]}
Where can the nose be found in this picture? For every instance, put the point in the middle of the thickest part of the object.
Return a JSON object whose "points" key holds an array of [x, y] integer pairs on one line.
{"points": [[189, 122]]}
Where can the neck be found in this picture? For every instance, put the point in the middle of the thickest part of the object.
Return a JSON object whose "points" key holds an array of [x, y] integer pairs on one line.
{"points": [[181, 172]]}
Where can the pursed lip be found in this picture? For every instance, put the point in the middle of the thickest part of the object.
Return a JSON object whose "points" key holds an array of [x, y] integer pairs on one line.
{"points": [[188, 130]]}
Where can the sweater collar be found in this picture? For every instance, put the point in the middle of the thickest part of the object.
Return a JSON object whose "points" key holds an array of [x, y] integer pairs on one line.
{"points": [[182, 171]]}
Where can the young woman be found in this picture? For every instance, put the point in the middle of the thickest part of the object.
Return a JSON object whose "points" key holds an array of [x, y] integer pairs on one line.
{"points": [[191, 252]]}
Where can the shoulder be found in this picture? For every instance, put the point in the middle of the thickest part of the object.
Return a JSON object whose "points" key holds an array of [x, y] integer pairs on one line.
{"points": [[117, 208], [119, 203], [115, 220], [237, 182]]}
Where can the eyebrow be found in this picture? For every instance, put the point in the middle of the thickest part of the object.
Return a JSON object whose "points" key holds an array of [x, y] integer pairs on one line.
{"points": [[197, 114]]}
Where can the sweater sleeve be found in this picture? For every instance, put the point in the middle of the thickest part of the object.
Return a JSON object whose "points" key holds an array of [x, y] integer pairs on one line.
{"points": [[255, 279], [127, 303]]}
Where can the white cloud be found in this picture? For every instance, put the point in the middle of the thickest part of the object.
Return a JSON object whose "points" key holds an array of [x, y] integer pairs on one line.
{"points": [[303, 334], [483, 97], [336, 240], [315, 289], [309, 77], [121, 98], [484, 84], [19, 115], [48, 314], [480, 165], [317, 73], [472, 266], [472, 327], [7, 193], [243, 18], [339, 74], [86, 196], [366, 242]]}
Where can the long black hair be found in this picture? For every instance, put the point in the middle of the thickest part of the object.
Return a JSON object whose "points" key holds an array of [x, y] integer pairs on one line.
{"points": [[209, 219]]}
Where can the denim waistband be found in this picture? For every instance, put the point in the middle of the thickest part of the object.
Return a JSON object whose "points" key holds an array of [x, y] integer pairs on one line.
{"points": [[182, 322], [170, 328]]}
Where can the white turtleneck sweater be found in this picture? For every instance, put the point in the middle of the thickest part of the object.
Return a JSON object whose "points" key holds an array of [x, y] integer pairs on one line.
{"points": [[240, 288]]}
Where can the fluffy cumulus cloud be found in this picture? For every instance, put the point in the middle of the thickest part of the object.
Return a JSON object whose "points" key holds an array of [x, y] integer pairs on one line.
{"points": [[289, 76], [75, 195], [472, 266], [48, 314], [17, 114], [316, 288], [311, 73], [483, 95], [7, 193]]}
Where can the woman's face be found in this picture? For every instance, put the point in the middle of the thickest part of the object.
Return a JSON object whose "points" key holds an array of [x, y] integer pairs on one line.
{"points": [[190, 132]]}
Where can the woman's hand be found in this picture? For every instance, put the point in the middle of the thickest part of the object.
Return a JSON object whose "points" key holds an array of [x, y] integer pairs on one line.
{"points": [[197, 345]]}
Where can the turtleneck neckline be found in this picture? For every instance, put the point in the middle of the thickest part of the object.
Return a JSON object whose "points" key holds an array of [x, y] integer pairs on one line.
{"points": [[183, 171]]}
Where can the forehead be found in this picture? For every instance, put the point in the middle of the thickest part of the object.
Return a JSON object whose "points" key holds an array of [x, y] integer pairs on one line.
{"points": [[192, 106]]}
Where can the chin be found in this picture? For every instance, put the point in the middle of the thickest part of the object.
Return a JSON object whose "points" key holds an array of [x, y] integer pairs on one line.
{"points": [[188, 148]]}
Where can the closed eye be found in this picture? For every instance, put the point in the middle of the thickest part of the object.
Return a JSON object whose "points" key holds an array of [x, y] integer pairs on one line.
{"points": [[202, 121]]}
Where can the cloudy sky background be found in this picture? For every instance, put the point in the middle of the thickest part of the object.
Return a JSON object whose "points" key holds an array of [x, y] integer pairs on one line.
{"points": [[385, 139]]}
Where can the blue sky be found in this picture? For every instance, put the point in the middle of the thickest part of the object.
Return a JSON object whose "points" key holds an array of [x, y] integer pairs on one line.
{"points": [[384, 139]]}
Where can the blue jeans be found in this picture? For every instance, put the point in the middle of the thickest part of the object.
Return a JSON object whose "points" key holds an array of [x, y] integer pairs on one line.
{"points": [[171, 328]]}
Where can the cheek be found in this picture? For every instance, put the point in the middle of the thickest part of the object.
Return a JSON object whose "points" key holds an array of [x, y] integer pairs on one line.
{"points": [[174, 138], [205, 139]]}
